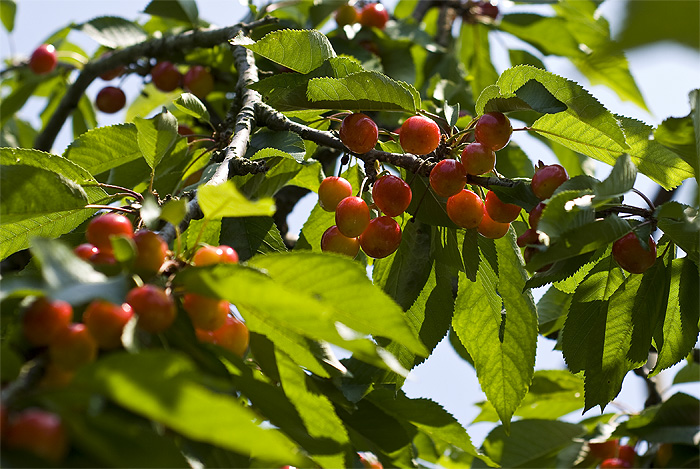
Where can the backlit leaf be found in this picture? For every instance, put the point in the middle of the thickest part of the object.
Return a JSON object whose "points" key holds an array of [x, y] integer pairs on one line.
{"points": [[224, 200], [113, 31]]}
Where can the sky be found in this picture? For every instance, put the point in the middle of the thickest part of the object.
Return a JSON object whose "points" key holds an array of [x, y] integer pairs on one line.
{"points": [[665, 74]]}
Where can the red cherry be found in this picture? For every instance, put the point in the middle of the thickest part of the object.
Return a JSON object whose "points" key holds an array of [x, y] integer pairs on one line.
{"points": [[465, 209], [227, 254], [85, 251], [205, 336], [374, 15], [233, 336], [346, 14], [478, 159], [493, 130], [331, 191], [186, 131], [546, 180], [627, 453], [352, 216], [110, 99], [492, 229], [151, 252], [154, 308], [535, 215], [629, 253], [39, 432], [448, 177], [381, 238], [530, 236], [43, 59], [604, 449], [206, 255], [112, 74], [392, 195], [419, 135], [102, 228], [359, 133], [335, 241], [614, 462], [500, 211], [206, 313], [165, 76], [73, 347], [44, 320], [106, 322], [198, 81]]}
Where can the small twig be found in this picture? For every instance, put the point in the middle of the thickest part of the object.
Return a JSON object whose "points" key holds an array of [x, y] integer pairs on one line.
{"points": [[109, 207], [646, 199]]}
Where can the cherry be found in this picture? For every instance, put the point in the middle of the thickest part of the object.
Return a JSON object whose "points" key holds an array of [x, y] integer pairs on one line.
{"points": [[614, 462], [335, 241], [331, 191], [233, 336], [73, 347], [227, 255], [381, 238], [198, 81], [110, 99], [112, 74], [629, 253], [535, 215], [448, 177], [530, 236], [106, 322], [492, 229], [154, 308], [346, 14], [352, 216], [43, 59], [105, 262], [465, 209], [151, 252], [165, 76], [359, 133], [493, 130], [374, 15], [85, 251], [546, 180], [56, 377], [208, 255], [369, 461], [44, 320], [102, 228], [486, 9], [392, 195], [419, 135], [478, 159], [627, 453], [500, 211], [39, 432], [186, 131], [206, 313]]}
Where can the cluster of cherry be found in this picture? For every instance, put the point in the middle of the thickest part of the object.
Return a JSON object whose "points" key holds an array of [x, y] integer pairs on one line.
{"points": [[613, 455], [110, 99]]}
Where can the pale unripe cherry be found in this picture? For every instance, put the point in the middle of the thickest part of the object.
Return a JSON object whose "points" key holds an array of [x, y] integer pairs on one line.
{"points": [[332, 190], [465, 209]]}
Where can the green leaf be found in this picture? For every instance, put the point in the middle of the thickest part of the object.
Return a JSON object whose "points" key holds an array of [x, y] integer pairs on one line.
{"points": [[114, 32], [551, 310], [164, 386], [225, 200], [674, 421], [682, 225], [678, 134], [370, 91], [567, 211], [251, 235], [287, 143], [549, 34], [181, 10], [155, 136], [475, 55], [644, 24], [192, 106], [690, 373], [150, 99], [101, 149], [8, 9], [173, 211], [299, 50], [620, 181], [522, 57]]}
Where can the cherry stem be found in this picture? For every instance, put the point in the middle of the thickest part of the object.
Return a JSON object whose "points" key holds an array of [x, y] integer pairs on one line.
{"points": [[124, 190], [646, 199], [109, 207]]}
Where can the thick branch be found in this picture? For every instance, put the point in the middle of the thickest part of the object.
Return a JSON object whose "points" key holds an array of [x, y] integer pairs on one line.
{"points": [[162, 47]]}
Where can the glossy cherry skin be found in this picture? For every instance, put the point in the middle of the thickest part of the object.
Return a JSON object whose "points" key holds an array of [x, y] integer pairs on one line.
{"points": [[381, 238], [335, 241], [154, 308], [331, 191], [530, 236], [85, 251], [535, 215], [73, 347], [198, 81], [374, 15], [465, 209], [106, 321], [233, 336], [110, 99], [627, 453], [448, 177], [629, 253], [614, 463], [206, 313], [352, 216], [604, 449], [491, 229], [392, 195], [45, 319], [101, 228], [346, 14], [43, 59], [500, 211], [359, 133], [39, 432], [493, 130], [151, 252], [546, 180], [478, 159], [208, 255], [165, 76], [419, 135]]}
